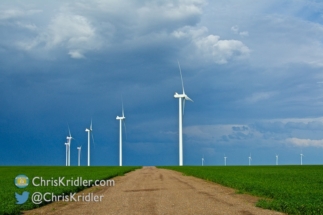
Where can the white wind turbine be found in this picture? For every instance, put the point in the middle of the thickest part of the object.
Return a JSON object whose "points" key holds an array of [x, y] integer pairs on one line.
{"points": [[89, 131], [301, 158], [225, 160], [79, 155], [182, 98], [203, 161], [121, 118], [276, 159], [250, 159], [69, 140]]}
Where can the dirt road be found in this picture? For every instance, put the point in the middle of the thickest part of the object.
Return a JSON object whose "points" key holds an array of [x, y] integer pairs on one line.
{"points": [[158, 191]]}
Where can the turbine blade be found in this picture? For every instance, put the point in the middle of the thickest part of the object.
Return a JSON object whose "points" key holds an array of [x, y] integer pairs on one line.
{"points": [[91, 125], [180, 71], [125, 128], [93, 139], [122, 110], [69, 131], [183, 105], [188, 98], [81, 151]]}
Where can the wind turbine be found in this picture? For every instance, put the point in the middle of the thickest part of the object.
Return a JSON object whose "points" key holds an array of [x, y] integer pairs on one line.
{"points": [[69, 140], [225, 160], [203, 161], [121, 118], [301, 158], [182, 98], [250, 159], [276, 159], [89, 131], [79, 155]]}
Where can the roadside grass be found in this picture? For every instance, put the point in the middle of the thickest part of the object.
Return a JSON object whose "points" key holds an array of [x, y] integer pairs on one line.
{"points": [[289, 189], [8, 173]]}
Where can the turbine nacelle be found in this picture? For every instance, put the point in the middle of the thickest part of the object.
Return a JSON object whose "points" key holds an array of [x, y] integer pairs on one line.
{"points": [[120, 118], [176, 95], [179, 95]]}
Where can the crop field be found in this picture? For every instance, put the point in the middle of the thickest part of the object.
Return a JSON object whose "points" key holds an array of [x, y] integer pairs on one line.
{"points": [[289, 189], [7, 177]]}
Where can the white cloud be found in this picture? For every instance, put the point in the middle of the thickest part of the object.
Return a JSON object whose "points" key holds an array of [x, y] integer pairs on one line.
{"points": [[244, 33], [211, 133], [189, 32], [31, 27], [211, 47], [221, 51], [76, 54], [73, 32], [255, 97], [305, 142], [15, 13], [235, 29]]}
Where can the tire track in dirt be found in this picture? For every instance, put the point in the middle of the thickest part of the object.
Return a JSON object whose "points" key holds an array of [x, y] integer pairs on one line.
{"points": [[156, 191]]}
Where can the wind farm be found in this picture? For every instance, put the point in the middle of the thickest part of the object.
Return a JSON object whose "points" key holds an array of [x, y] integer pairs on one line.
{"points": [[182, 97]]}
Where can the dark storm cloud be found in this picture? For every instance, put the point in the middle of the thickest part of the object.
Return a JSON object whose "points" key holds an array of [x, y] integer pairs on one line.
{"points": [[247, 70]]}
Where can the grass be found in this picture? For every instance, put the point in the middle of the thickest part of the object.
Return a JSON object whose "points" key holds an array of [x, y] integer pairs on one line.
{"points": [[7, 175], [289, 189]]}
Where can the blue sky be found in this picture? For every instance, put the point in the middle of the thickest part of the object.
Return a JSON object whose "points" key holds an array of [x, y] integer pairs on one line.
{"points": [[253, 69]]}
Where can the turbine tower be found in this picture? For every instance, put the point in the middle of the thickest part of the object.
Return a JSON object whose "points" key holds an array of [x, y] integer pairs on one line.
{"points": [[79, 155], [302, 158], [69, 140], [225, 160], [89, 131], [121, 118], [67, 145], [203, 161], [276, 159], [182, 98], [250, 159]]}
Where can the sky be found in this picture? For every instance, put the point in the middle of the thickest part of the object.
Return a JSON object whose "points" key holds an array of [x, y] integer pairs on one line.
{"points": [[252, 68]]}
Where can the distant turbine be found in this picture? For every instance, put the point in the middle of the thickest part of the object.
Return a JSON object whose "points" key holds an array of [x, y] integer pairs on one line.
{"points": [[301, 158], [225, 160], [69, 140], [250, 159], [276, 159], [89, 131], [182, 98], [79, 155], [121, 118], [203, 161]]}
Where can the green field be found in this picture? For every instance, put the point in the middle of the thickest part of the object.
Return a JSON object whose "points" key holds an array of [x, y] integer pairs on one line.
{"points": [[289, 189], [7, 176]]}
